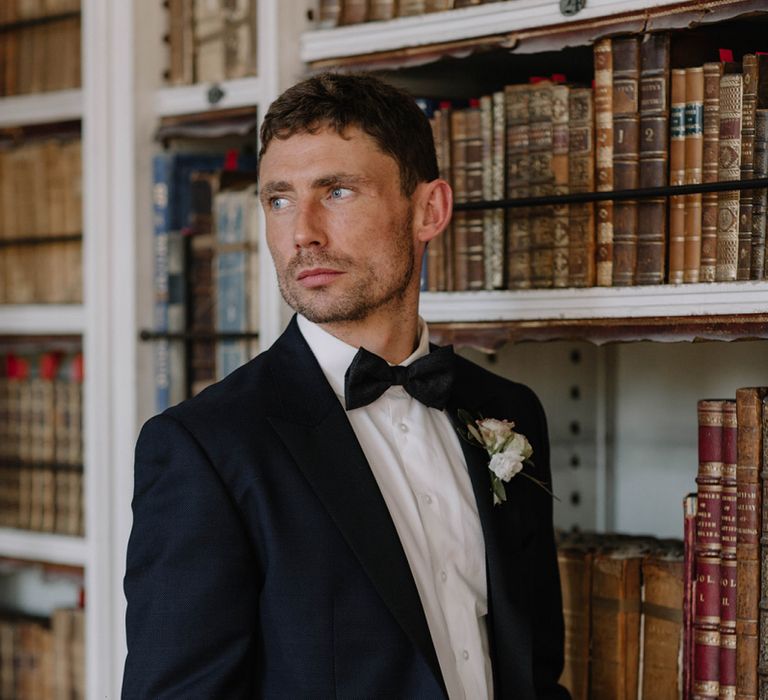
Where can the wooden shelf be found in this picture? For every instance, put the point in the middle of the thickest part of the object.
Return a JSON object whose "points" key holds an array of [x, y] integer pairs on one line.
{"points": [[42, 319], [41, 108], [45, 547], [190, 99]]}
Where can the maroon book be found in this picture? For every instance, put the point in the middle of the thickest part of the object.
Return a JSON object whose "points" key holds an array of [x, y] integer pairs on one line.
{"points": [[689, 531]]}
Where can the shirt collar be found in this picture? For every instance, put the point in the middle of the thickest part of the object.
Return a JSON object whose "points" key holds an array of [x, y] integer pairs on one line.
{"points": [[334, 356]]}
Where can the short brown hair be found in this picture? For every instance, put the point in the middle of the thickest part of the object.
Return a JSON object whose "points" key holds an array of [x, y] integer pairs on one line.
{"points": [[387, 114]]}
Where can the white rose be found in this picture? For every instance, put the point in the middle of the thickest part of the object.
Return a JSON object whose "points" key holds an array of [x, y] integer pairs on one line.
{"points": [[519, 445], [495, 433], [506, 464]]}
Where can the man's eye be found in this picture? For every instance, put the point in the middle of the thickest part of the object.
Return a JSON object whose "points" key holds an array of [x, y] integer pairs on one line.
{"points": [[278, 202], [339, 192]]}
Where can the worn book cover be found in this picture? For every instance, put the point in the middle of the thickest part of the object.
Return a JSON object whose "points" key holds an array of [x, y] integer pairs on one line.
{"points": [[710, 158], [581, 178], [746, 197], [694, 155]]}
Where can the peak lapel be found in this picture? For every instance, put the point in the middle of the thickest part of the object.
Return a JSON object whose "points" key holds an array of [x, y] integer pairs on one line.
{"points": [[314, 427]]}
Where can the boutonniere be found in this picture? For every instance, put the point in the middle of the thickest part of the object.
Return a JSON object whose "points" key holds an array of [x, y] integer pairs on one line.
{"points": [[509, 451]]}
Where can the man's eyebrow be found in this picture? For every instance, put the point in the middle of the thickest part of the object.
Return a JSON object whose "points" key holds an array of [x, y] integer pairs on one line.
{"points": [[270, 188], [336, 179]]}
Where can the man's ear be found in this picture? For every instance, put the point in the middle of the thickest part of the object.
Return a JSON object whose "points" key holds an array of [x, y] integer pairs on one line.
{"points": [[434, 207]]}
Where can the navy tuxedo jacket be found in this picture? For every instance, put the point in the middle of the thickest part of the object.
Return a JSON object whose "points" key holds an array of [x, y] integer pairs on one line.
{"points": [[263, 561]]}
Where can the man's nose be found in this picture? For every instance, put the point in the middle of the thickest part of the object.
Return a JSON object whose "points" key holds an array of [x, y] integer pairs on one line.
{"points": [[309, 226]]}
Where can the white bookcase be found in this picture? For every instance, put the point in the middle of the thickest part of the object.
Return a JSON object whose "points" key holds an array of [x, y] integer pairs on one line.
{"points": [[634, 403]]}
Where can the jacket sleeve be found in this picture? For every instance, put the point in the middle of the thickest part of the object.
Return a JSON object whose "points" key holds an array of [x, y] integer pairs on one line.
{"points": [[191, 579]]}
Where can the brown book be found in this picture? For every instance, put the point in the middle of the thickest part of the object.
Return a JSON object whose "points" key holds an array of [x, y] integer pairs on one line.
{"points": [[712, 73], [381, 10], [749, 408], [626, 155], [409, 8], [240, 47], [581, 178], [542, 181], [604, 160], [486, 125], [746, 197], [694, 155], [180, 40], [615, 625], [677, 176], [438, 5], [729, 168], [443, 260], [575, 564], [436, 248], [759, 203], [328, 14], [560, 159], [495, 250], [654, 157], [353, 11], [518, 185], [662, 625], [762, 668]]}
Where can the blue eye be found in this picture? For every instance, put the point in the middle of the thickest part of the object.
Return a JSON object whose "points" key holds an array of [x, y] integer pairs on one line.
{"points": [[278, 202], [339, 192]]}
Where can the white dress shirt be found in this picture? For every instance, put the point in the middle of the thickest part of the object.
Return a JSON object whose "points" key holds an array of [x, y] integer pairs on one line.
{"points": [[416, 459]]}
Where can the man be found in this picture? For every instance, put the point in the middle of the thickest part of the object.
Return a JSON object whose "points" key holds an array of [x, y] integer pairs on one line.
{"points": [[300, 532]]}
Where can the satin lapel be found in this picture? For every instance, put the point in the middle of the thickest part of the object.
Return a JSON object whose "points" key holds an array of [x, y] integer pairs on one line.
{"points": [[314, 427]]}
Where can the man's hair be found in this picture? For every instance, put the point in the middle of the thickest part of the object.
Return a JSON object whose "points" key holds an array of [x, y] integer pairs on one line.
{"points": [[387, 114]]}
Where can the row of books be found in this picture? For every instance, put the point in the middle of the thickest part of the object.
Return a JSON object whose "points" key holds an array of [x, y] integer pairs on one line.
{"points": [[210, 40], [41, 445], [641, 125], [43, 659], [726, 537], [38, 55], [206, 230], [41, 198], [333, 13], [623, 612]]}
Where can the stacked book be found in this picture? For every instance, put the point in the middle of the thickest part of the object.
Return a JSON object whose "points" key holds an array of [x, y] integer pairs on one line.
{"points": [[642, 125], [332, 13], [41, 221], [39, 46], [41, 452]]}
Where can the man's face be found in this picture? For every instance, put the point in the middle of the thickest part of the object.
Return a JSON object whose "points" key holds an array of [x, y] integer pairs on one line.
{"points": [[339, 228]]}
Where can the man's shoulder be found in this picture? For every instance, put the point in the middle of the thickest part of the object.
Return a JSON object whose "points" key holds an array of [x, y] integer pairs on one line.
{"points": [[473, 378]]}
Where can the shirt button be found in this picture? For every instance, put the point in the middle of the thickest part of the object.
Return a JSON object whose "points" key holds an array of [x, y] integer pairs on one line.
{"points": [[443, 576], [427, 499], [465, 654], [403, 428]]}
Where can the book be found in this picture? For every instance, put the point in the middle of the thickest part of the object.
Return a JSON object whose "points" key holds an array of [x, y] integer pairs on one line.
{"points": [[729, 168], [746, 197], [581, 178], [654, 157], [560, 174], [328, 13], [354, 11], [760, 197], [677, 176], [180, 40], [689, 542], [575, 565], [762, 659], [749, 407], [626, 154], [694, 155], [440, 250], [604, 159], [495, 249], [710, 159], [380, 10]]}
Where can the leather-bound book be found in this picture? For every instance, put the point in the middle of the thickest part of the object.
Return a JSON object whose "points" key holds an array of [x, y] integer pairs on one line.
{"points": [[474, 188], [712, 73], [328, 14], [759, 203], [560, 151], [626, 155], [408, 8], [749, 410], [381, 10], [728, 539], [575, 564], [729, 168], [604, 160], [353, 11], [438, 5], [706, 614], [436, 248], [581, 178], [542, 182], [518, 185], [662, 624], [441, 118], [496, 252], [615, 625], [746, 197], [689, 542], [460, 253], [762, 668], [694, 155], [677, 176], [654, 157]]}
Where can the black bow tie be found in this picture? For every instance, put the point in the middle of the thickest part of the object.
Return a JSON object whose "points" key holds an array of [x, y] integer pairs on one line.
{"points": [[428, 379]]}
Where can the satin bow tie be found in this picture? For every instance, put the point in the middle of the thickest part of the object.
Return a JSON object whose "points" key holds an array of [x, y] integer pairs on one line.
{"points": [[429, 379]]}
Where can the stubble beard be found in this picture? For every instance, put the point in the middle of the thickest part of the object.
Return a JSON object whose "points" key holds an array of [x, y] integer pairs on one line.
{"points": [[369, 293]]}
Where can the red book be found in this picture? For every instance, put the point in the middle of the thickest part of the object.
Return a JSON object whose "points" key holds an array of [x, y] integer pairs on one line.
{"points": [[689, 531]]}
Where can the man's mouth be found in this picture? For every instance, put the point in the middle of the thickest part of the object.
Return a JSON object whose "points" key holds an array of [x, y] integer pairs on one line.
{"points": [[317, 276]]}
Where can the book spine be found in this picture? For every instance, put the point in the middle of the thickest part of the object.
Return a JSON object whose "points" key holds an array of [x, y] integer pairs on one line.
{"points": [[746, 197], [409, 8], [749, 403], [694, 154], [328, 13], [760, 202], [575, 568], [475, 220], [560, 212], [689, 540], [728, 538], [707, 267], [654, 156], [729, 169], [459, 171], [353, 12], [542, 182], [677, 176], [626, 155], [498, 151], [708, 547], [486, 128], [762, 668], [581, 178], [381, 10], [604, 159], [518, 185]]}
